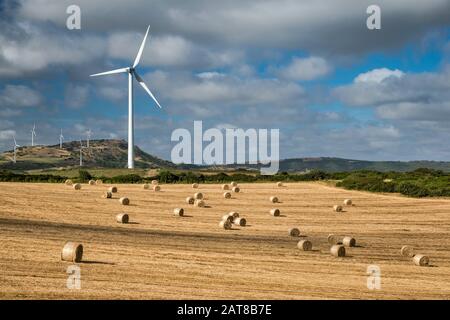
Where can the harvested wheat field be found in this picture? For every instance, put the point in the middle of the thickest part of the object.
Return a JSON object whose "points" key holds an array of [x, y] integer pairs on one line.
{"points": [[158, 255]]}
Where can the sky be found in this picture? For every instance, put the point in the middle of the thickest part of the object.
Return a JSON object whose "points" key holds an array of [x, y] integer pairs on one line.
{"points": [[312, 69]]}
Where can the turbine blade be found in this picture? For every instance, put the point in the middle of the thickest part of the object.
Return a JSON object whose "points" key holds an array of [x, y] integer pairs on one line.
{"points": [[121, 70], [141, 49], [143, 85]]}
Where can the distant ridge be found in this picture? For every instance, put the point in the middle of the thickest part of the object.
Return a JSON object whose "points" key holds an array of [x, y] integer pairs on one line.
{"points": [[107, 153]]}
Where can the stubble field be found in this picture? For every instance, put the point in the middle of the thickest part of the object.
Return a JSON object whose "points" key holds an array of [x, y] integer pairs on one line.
{"points": [[160, 256]]}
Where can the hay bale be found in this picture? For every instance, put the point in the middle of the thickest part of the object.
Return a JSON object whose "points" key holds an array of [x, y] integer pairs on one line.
{"points": [[349, 242], [199, 203], [77, 186], [304, 245], [236, 189], [337, 208], [225, 224], [332, 239], [156, 188], [124, 201], [233, 184], [122, 218], [294, 232], [274, 199], [190, 200], [240, 222], [275, 212], [227, 195], [155, 182], [72, 252], [107, 195], [407, 251], [421, 260], [234, 214], [194, 185], [279, 184], [98, 182], [225, 187], [198, 196], [112, 189], [338, 250], [179, 212], [227, 217], [68, 182], [91, 182], [348, 202], [146, 186]]}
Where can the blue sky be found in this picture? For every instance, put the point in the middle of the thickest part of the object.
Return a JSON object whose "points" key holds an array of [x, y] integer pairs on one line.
{"points": [[311, 69]]}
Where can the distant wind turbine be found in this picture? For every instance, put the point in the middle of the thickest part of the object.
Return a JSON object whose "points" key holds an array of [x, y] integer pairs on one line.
{"points": [[132, 72], [88, 134], [61, 139], [33, 134], [15, 149], [81, 153]]}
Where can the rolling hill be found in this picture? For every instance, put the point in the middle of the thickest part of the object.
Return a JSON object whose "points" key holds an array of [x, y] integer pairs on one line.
{"points": [[113, 154]]}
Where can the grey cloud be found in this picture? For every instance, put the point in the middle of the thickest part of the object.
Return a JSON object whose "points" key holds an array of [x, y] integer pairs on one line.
{"points": [[18, 96]]}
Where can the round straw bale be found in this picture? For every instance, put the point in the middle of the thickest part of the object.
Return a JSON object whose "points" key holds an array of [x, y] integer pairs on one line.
{"points": [[195, 185], [279, 184], [236, 189], [72, 252], [198, 196], [332, 239], [156, 188], [91, 182], [227, 217], [146, 186], [337, 208], [190, 200], [294, 232], [304, 245], [338, 250], [407, 251], [225, 187], [348, 202], [112, 189], [240, 222], [349, 242], [421, 260], [234, 214], [155, 182], [275, 212], [178, 212], [233, 184], [225, 224], [199, 203], [274, 199], [68, 182], [98, 182], [77, 186], [107, 195], [122, 218], [124, 201], [227, 195]]}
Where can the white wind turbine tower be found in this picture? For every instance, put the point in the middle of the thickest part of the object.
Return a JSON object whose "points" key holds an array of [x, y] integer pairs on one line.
{"points": [[33, 134], [132, 72], [61, 139], [15, 149], [81, 153]]}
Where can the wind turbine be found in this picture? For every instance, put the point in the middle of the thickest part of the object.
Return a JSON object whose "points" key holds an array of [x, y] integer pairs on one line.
{"points": [[15, 149], [61, 138], [81, 153], [88, 133], [132, 72], [33, 134]]}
